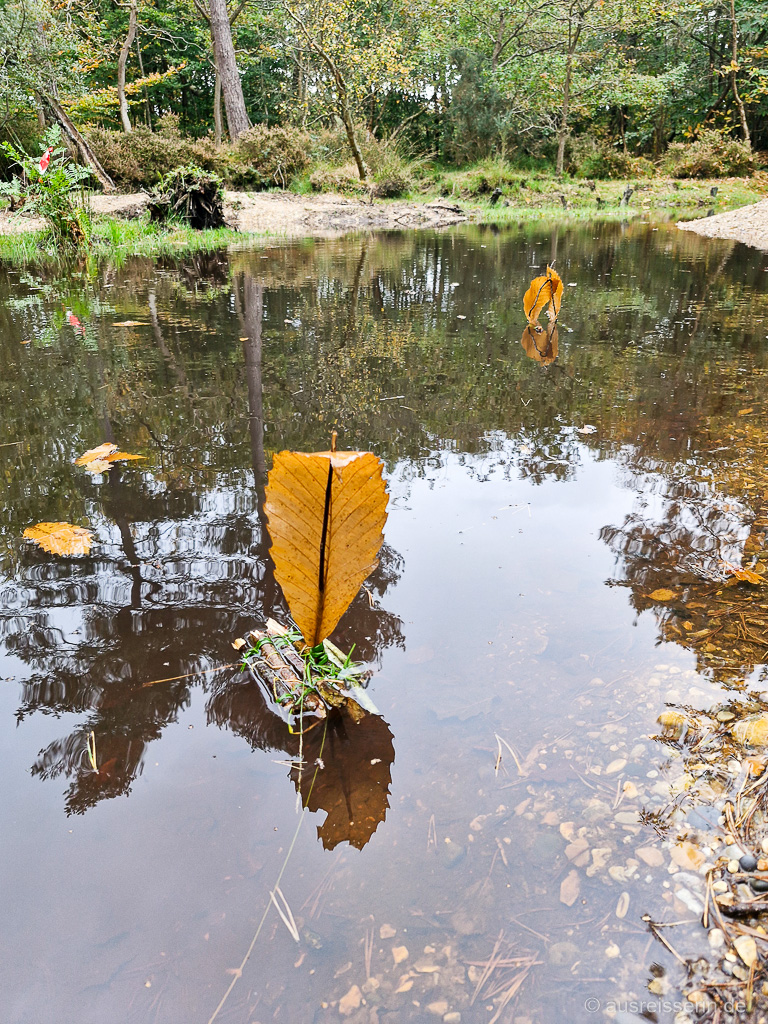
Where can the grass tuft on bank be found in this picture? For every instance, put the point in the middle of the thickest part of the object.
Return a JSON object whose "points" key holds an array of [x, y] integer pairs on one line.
{"points": [[116, 240]]}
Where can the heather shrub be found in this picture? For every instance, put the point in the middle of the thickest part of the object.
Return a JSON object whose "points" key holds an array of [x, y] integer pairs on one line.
{"points": [[594, 157], [276, 155], [712, 155], [337, 179], [141, 158]]}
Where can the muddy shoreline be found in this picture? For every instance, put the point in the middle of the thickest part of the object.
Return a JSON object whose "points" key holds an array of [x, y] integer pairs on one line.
{"points": [[283, 213]]}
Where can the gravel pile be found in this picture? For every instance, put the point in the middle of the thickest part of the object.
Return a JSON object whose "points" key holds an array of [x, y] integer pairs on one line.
{"points": [[748, 225]]}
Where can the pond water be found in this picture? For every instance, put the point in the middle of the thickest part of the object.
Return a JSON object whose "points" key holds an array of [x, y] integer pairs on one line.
{"points": [[492, 847]]}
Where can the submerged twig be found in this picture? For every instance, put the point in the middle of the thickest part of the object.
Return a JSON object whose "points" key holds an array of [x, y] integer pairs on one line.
{"points": [[188, 675], [286, 915]]}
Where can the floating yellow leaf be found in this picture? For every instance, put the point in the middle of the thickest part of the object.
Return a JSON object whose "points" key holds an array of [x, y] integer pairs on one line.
{"points": [[129, 323], [99, 460], [663, 595], [60, 538], [543, 291], [540, 343], [122, 457], [325, 515], [96, 453]]}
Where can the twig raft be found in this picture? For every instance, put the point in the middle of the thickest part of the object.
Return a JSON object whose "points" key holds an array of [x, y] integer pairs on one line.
{"points": [[303, 680]]}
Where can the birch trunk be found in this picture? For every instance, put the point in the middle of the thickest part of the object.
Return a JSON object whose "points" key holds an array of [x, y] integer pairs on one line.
{"points": [[125, 49]]}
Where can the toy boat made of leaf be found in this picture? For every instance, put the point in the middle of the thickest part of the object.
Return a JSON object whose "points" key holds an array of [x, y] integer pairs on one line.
{"points": [[300, 681]]}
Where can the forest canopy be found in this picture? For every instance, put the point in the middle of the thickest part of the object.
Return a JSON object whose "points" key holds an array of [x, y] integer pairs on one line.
{"points": [[577, 85]]}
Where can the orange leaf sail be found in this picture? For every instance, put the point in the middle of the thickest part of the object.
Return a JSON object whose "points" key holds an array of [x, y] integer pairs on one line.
{"points": [[60, 538], [543, 291], [325, 515]]}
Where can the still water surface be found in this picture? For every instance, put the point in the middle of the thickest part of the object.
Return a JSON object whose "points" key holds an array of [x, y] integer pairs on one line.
{"points": [[533, 508]]}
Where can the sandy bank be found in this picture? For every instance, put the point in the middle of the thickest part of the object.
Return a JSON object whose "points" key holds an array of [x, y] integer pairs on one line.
{"points": [[748, 225], [283, 213]]}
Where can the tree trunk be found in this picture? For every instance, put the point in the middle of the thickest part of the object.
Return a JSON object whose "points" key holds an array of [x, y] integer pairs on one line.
{"points": [[349, 126], [564, 129], [146, 90], [218, 120], [226, 65], [125, 49], [86, 153], [734, 86], [498, 43]]}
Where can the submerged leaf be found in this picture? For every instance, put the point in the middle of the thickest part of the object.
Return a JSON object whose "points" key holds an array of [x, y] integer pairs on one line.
{"points": [[325, 515], [662, 594], [673, 723], [744, 575], [60, 538], [570, 888], [98, 466], [543, 291]]}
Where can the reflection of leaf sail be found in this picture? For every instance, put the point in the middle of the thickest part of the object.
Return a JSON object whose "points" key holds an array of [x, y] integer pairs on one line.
{"points": [[60, 538], [353, 783], [540, 343], [544, 290], [325, 515]]}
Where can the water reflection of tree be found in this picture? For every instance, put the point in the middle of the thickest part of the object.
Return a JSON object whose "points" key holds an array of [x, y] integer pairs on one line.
{"points": [[182, 563], [677, 541], [195, 572]]}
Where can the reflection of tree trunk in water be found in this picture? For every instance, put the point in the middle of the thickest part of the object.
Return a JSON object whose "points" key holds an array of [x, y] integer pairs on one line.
{"points": [[251, 314], [166, 353], [377, 294], [355, 293], [701, 301], [555, 237], [249, 303], [115, 485]]}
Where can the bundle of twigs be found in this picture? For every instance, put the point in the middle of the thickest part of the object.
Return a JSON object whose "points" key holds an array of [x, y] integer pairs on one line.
{"points": [[302, 680]]}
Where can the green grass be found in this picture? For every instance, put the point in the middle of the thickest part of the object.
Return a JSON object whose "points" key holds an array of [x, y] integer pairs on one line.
{"points": [[658, 198], [117, 240], [538, 194], [525, 197]]}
